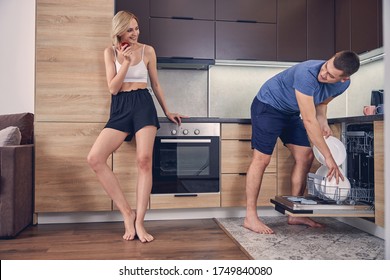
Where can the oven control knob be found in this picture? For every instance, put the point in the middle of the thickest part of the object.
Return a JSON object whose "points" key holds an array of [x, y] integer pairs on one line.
{"points": [[185, 131], [173, 131], [196, 131]]}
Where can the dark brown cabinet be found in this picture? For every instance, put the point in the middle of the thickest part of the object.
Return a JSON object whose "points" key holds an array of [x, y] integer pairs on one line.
{"points": [[292, 34], [358, 25], [179, 38], [191, 9], [245, 41], [275, 30], [245, 30], [246, 10], [320, 29]]}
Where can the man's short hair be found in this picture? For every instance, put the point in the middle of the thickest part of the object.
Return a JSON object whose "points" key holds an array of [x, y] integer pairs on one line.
{"points": [[347, 61]]}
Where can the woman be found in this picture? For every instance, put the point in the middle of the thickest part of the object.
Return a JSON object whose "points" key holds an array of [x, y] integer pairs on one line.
{"points": [[128, 63]]}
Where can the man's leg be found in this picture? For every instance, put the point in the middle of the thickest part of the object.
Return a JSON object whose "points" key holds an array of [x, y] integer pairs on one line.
{"points": [[254, 177], [303, 157]]}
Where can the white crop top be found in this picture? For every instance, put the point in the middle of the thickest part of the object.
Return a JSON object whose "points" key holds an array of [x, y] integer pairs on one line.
{"points": [[135, 73]]}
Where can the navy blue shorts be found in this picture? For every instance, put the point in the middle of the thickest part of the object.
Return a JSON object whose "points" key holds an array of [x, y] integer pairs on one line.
{"points": [[131, 111], [268, 124]]}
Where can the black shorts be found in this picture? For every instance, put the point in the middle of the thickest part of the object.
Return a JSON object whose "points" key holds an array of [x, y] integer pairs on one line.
{"points": [[268, 124], [131, 111]]}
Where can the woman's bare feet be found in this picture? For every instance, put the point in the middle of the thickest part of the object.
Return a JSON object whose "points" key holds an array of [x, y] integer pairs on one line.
{"points": [[129, 227], [256, 225], [303, 221], [143, 236]]}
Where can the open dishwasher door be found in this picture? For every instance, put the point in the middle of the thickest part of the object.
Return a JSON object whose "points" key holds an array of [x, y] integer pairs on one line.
{"points": [[327, 201]]}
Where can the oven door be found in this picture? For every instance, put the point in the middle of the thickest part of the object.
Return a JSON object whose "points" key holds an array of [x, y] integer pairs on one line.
{"points": [[186, 165]]}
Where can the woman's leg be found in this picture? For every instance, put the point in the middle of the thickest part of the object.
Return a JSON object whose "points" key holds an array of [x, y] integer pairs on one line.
{"points": [[144, 141], [106, 143]]}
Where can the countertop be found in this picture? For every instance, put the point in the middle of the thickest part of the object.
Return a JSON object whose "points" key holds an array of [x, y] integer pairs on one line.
{"points": [[352, 119]]}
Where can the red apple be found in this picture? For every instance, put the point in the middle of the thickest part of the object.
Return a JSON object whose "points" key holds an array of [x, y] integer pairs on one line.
{"points": [[124, 44]]}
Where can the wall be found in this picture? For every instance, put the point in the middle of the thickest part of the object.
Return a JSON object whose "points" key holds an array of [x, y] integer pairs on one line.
{"points": [[17, 30]]}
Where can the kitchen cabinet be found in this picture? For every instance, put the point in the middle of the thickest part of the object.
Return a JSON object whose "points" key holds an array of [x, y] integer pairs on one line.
{"points": [[379, 174], [320, 29], [171, 201], [358, 25], [246, 10], [190, 9], [236, 155], [64, 182], [71, 103], [245, 30], [245, 41], [183, 28], [292, 30], [182, 38]]}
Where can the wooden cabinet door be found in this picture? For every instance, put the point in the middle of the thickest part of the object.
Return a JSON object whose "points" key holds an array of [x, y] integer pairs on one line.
{"points": [[246, 10], [292, 30], [141, 10], [70, 84], [358, 25], [64, 182], [170, 201], [245, 41], [125, 168], [182, 38], [233, 190], [379, 173], [193, 9]]}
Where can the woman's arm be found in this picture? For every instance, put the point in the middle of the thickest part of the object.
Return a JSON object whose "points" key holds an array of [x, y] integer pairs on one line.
{"points": [[114, 80]]}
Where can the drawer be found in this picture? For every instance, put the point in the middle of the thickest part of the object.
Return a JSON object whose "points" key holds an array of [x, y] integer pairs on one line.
{"points": [[236, 156], [170, 201], [236, 131]]}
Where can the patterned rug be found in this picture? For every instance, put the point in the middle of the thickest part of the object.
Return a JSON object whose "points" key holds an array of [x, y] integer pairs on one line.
{"points": [[336, 241]]}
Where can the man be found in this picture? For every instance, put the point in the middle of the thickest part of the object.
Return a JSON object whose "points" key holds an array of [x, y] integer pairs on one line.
{"points": [[292, 106]]}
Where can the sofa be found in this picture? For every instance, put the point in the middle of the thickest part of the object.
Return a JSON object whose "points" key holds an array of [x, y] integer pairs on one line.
{"points": [[16, 173]]}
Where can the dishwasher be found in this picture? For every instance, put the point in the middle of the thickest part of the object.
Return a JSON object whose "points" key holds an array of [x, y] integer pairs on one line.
{"points": [[333, 201]]}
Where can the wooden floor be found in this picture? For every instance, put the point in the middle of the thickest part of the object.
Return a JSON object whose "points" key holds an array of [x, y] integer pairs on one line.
{"points": [[174, 240]]}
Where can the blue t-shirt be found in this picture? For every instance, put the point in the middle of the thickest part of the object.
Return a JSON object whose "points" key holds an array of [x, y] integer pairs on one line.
{"points": [[279, 91]]}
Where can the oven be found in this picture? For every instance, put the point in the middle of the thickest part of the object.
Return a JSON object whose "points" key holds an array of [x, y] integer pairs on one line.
{"points": [[186, 159]]}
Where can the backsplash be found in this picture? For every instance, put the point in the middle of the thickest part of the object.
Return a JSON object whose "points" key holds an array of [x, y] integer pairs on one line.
{"points": [[228, 91]]}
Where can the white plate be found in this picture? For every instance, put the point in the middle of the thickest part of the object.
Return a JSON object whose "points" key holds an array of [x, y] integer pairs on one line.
{"points": [[336, 148], [330, 188]]}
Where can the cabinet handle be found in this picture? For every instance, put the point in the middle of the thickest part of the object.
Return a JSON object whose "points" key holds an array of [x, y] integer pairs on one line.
{"points": [[244, 140], [242, 174], [186, 195], [185, 18], [246, 21]]}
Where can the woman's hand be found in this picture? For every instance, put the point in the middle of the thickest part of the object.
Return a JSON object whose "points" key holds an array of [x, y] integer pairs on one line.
{"points": [[175, 117]]}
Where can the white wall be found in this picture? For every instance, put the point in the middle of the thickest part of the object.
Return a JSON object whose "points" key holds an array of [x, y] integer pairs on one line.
{"points": [[17, 50], [386, 29]]}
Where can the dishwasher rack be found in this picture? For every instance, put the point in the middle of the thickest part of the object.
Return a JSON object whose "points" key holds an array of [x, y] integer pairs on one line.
{"points": [[360, 142], [316, 186]]}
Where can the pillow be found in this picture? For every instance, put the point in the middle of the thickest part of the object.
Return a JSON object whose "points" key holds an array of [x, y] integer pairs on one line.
{"points": [[10, 136]]}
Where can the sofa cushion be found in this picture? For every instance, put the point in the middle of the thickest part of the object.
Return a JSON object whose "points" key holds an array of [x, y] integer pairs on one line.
{"points": [[25, 123], [10, 136]]}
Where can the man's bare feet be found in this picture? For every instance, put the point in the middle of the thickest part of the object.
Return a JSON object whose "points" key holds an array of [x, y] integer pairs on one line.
{"points": [[143, 236], [254, 224], [129, 227], [303, 221]]}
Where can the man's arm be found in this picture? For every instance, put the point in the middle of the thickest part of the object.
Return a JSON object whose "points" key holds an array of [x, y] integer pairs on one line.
{"points": [[321, 115], [314, 130]]}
